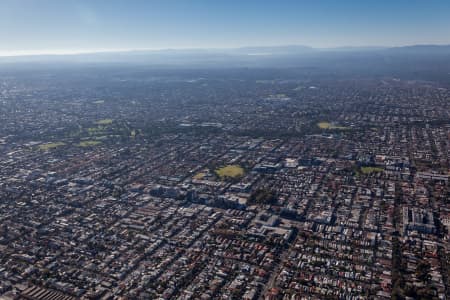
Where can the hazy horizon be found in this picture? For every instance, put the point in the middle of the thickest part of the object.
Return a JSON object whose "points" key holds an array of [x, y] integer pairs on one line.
{"points": [[19, 53], [31, 27]]}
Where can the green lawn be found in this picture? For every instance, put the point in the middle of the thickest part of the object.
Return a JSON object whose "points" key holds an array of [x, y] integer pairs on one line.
{"points": [[100, 130], [328, 125], [46, 147], [104, 122], [231, 171], [368, 170], [199, 176], [89, 143]]}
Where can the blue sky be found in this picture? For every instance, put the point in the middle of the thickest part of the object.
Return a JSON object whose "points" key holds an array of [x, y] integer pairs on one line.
{"points": [[28, 26]]}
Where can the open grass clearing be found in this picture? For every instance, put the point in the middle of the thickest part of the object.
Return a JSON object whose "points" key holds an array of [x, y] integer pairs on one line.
{"points": [[104, 122], [89, 143], [369, 170], [49, 146], [328, 125], [230, 171]]}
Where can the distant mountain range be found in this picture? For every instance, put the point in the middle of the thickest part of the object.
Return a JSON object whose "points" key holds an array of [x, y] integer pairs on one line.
{"points": [[262, 50], [422, 49], [419, 56]]}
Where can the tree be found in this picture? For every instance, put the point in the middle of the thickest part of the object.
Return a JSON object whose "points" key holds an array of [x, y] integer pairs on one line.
{"points": [[263, 196], [423, 271]]}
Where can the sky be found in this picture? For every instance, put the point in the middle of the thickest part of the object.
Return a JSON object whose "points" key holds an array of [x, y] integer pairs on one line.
{"points": [[72, 26]]}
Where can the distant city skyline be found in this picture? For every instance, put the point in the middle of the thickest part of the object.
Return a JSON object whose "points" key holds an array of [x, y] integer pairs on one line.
{"points": [[66, 27]]}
